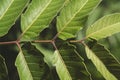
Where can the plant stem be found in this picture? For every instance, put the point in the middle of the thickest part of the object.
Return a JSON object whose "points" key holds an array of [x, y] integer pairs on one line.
{"points": [[53, 43], [9, 42], [78, 41], [42, 41]]}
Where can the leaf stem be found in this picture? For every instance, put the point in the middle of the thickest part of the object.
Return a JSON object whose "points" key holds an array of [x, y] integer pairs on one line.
{"points": [[8, 42], [53, 43], [55, 36], [12, 42], [78, 41], [18, 44], [42, 41]]}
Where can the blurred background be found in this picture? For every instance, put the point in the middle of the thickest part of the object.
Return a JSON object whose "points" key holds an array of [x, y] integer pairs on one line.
{"points": [[112, 43]]}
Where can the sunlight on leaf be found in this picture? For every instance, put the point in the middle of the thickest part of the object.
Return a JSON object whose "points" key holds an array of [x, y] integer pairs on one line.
{"points": [[104, 27], [72, 17], [38, 16], [10, 10]]}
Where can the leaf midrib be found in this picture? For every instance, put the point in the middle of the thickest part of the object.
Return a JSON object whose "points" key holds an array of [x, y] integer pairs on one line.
{"points": [[63, 64], [6, 9], [72, 18], [36, 18], [103, 65], [26, 65], [99, 30]]}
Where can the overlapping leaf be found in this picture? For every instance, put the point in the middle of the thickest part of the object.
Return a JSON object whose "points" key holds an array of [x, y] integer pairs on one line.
{"points": [[48, 54], [69, 65], [104, 27], [104, 61], [31, 66], [72, 16], [112, 43], [3, 69], [38, 16], [9, 12], [48, 58]]}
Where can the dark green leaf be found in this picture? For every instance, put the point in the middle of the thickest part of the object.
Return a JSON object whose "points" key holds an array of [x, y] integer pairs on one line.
{"points": [[69, 64], [104, 61], [3, 69], [31, 66]]}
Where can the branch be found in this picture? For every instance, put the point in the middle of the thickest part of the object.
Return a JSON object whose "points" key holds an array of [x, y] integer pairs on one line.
{"points": [[42, 41], [8, 42], [78, 41]]}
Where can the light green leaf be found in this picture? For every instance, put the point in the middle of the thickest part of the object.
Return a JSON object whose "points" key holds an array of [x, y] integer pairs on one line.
{"points": [[104, 61], [104, 27], [3, 69], [31, 65], [38, 16], [69, 64], [10, 10], [72, 17]]}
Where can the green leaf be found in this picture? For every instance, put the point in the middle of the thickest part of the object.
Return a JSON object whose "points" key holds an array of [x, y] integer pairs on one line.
{"points": [[48, 58], [69, 64], [31, 65], [72, 17], [10, 10], [113, 44], [38, 16], [48, 54], [104, 27], [3, 69], [104, 61]]}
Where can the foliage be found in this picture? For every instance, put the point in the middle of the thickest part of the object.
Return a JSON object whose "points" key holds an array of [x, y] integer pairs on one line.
{"points": [[59, 40]]}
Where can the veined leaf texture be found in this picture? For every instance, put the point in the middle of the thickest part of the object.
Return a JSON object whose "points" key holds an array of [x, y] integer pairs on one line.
{"points": [[72, 17], [104, 61], [38, 16], [47, 34], [104, 27], [9, 12]]}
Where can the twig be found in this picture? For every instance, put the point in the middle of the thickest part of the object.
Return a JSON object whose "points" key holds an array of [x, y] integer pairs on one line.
{"points": [[78, 41], [42, 41], [8, 42]]}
